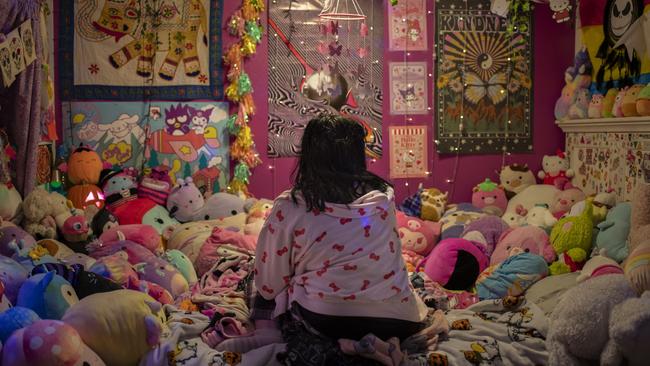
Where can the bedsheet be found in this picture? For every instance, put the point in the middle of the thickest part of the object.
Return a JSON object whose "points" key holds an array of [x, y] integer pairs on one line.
{"points": [[491, 332]]}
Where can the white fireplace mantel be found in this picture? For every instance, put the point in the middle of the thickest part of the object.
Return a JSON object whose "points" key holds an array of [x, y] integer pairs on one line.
{"points": [[604, 125]]}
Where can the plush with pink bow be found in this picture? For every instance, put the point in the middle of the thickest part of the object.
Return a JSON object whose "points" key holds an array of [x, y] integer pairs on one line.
{"points": [[48, 342], [223, 243], [529, 239], [557, 171], [418, 238]]}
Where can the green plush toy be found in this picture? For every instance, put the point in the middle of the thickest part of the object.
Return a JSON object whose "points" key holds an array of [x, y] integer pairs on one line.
{"points": [[571, 239]]}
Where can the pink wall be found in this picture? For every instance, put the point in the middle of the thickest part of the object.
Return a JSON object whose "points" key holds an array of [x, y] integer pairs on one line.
{"points": [[553, 49]]}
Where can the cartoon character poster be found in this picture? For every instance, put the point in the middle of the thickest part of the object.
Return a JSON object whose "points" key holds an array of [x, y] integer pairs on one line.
{"points": [[186, 137], [603, 24], [408, 151], [408, 88], [407, 22], [483, 88], [319, 64], [141, 49]]}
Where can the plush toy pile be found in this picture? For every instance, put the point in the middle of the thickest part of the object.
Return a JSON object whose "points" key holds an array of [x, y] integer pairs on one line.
{"points": [[87, 274]]}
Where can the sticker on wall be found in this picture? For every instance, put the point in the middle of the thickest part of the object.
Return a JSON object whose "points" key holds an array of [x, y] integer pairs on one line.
{"points": [[484, 81], [27, 37], [16, 51], [408, 87], [324, 59], [188, 138], [407, 23], [408, 151], [132, 50]]}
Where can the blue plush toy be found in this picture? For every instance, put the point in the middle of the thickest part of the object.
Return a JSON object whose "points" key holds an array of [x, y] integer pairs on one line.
{"points": [[48, 294], [15, 318], [614, 231], [512, 277]]}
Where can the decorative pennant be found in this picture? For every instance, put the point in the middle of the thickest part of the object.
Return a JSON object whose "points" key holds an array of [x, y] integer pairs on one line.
{"points": [[27, 35], [483, 88], [408, 88], [16, 51], [408, 151], [8, 75]]}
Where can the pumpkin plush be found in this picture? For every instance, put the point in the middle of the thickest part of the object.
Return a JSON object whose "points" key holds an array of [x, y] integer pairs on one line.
{"points": [[83, 167], [84, 195]]}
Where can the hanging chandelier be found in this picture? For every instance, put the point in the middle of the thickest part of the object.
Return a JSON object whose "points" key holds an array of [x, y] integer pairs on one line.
{"points": [[342, 10]]}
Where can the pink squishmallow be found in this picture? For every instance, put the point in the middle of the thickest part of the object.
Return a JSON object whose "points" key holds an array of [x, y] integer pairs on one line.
{"points": [[416, 234], [455, 263], [144, 235], [490, 197], [530, 239], [564, 200], [48, 342]]}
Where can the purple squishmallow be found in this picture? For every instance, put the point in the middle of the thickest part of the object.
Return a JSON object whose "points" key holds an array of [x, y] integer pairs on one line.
{"points": [[12, 274], [185, 200], [455, 263], [530, 239], [11, 236], [485, 232], [147, 265]]}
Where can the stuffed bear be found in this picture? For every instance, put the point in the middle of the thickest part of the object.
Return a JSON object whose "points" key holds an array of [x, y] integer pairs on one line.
{"points": [[40, 209], [557, 171], [515, 178]]}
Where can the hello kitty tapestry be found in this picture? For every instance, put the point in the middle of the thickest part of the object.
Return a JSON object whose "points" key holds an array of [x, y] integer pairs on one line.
{"points": [[189, 138], [140, 49], [324, 57], [483, 90]]}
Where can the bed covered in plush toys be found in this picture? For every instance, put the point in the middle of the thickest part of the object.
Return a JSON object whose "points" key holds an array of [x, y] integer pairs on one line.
{"points": [[129, 267]]}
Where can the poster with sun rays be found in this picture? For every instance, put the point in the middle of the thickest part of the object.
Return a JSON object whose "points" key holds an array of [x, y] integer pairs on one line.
{"points": [[484, 81]]}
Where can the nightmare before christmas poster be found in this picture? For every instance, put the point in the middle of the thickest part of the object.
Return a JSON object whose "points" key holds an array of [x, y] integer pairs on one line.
{"points": [[603, 24], [188, 138], [324, 57], [483, 98]]}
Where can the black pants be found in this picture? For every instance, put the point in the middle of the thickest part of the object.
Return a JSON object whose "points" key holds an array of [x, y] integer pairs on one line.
{"points": [[353, 327]]}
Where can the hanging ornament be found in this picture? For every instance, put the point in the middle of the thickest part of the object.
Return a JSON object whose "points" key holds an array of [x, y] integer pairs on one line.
{"points": [[363, 30], [231, 125], [335, 48], [254, 31], [363, 52], [393, 2], [258, 5], [236, 24], [561, 10], [244, 85], [342, 10], [248, 46], [232, 93], [233, 56], [242, 173]]}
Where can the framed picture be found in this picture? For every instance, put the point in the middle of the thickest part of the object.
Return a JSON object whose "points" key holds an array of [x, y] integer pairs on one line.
{"points": [[408, 151]]}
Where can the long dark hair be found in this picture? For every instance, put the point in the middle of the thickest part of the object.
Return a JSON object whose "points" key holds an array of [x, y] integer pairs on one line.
{"points": [[332, 163]]}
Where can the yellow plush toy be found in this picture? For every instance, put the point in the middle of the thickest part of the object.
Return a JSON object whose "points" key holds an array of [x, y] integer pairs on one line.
{"points": [[571, 238], [433, 204]]}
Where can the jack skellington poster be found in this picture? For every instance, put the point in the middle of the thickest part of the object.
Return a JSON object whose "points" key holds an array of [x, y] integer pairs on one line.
{"points": [[619, 16]]}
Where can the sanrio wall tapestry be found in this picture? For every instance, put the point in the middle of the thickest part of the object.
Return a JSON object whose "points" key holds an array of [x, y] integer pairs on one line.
{"points": [[408, 151], [484, 81], [407, 22], [320, 63], [141, 49], [186, 137]]}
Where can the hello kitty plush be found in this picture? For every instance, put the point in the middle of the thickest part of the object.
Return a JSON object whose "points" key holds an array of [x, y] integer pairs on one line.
{"points": [[596, 106], [561, 10], [556, 170]]}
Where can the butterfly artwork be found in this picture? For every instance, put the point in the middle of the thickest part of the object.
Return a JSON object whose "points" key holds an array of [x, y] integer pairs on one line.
{"points": [[335, 48], [362, 52], [363, 30], [334, 27], [478, 89]]}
